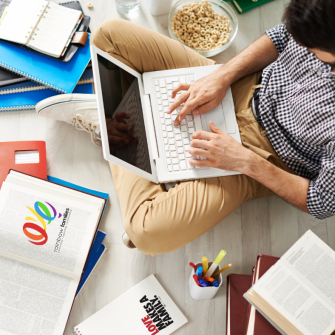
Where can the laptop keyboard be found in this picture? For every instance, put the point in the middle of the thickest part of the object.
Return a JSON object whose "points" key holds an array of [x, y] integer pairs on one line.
{"points": [[176, 139]]}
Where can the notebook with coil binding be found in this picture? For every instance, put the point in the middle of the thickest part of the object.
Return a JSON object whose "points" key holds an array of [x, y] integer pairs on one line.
{"points": [[24, 96], [41, 25], [144, 309], [45, 70]]}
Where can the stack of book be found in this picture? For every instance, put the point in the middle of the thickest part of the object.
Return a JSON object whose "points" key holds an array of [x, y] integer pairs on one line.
{"points": [[50, 241], [293, 295], [40, 55]]}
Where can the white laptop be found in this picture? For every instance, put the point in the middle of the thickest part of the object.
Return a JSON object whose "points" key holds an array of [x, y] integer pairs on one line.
{"points": [[161, 152]]}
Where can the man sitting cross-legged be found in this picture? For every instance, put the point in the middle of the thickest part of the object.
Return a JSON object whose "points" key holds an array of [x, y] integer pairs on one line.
{"points": [[287, 129]]}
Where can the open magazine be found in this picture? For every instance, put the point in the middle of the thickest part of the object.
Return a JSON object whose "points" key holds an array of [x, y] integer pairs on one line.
{"points": [[297, 294], [46, 232]]}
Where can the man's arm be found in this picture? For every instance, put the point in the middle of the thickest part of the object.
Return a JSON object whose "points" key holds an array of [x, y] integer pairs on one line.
{"points": [[208, 92], [223, 152]]}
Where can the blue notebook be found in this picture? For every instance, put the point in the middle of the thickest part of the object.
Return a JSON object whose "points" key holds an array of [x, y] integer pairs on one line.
{"points": [[25, 96], [48, 71], [97, 249]]}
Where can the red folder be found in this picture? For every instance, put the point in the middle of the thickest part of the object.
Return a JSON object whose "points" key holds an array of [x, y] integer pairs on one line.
{"points": [[7, 159], [237, 306], [262, 326]]}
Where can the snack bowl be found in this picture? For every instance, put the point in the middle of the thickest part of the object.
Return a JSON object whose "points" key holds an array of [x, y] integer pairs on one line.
{"points": [[220, 8]]}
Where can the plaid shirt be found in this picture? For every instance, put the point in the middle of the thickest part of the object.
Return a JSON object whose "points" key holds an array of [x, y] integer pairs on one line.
{"points": [[297, 107]]}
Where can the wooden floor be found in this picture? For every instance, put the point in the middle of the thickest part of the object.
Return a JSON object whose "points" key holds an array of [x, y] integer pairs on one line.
{"points": [[268, 226]]}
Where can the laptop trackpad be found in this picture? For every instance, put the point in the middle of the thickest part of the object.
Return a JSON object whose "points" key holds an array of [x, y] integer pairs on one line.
{"points": [[216, 116], [222, 116]]}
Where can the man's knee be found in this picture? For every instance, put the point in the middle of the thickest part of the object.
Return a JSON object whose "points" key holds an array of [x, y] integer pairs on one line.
{"points": [[151, 234], [107, 32]]}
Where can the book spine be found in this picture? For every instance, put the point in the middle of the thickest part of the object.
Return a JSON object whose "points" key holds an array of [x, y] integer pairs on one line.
{"points": [[17, 108], [23, 89], [29, 89], [27, 75]]}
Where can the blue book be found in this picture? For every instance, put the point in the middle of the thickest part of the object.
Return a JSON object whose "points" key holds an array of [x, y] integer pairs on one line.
{"points": [[90, 266], [25, 96], [48, 71], [97, 249]]}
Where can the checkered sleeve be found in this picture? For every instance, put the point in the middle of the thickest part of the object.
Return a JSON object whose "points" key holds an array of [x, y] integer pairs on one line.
{"points": [[279, 36], [321, 192]]}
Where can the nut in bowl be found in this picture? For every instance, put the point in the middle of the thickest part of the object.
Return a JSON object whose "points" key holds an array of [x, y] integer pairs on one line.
{"points": [[208, 27]]}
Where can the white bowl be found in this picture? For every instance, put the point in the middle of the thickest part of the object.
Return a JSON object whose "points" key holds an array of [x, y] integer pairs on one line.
{"points": [[220, 8]]}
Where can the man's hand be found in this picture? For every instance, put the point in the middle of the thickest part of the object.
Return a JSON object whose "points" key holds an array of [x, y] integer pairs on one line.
{"points": [[200, 96], [119, 132], [220, 150], [223, 152]]}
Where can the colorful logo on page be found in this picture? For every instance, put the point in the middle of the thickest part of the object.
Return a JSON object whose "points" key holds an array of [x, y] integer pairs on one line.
{"points": [[35, 227]]}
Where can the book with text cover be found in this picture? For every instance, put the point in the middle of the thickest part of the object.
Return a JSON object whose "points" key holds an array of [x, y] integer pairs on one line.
{"points": [[297, 294], [46, 233], [146, 309]]}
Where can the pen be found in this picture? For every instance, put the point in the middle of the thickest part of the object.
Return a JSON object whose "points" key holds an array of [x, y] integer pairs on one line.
{"points": [[205, 263], [223, 269], [203, 283], [199, 271], [196, 279], [216, 283], [193, 266], [215, 264]]}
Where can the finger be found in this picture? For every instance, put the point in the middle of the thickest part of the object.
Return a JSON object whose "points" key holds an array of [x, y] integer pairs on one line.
{"points": [[205, 107], [115, 140], [123, 127], [204, 135], [180, 87], [188, 106], [200, 144], [121, 116], [198, 162], [215, 129], [182, 98], [199, 152]]}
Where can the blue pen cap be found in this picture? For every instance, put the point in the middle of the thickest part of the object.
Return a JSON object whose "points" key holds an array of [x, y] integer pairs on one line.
{"points": [[216, 283], [199, 271], [202, 281]]}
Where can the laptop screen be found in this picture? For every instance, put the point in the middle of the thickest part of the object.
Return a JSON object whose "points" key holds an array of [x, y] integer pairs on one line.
{"points": [[124, 115]]}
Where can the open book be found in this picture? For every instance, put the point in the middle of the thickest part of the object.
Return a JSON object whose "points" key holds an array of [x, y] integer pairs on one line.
{"points": [[297, 294], [41, 25], [46, 232]]}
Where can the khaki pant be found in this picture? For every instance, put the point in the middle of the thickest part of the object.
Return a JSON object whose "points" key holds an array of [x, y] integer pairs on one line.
{"points": [[158, 221]]}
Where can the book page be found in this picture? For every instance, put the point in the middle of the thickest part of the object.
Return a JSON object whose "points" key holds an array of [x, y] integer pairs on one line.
{"points": [[297, 302], [313, 261], [45, 230], [20, 20], [54, 29], [33, 301]]}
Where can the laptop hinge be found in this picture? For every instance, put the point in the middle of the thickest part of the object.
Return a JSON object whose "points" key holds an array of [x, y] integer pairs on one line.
{"points": [[152, 141]]}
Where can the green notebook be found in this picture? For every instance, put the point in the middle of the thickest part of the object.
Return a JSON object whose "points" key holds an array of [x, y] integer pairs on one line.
{"points": [[245, 5]]}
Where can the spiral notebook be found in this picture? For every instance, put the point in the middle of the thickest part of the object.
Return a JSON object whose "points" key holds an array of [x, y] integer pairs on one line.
{"points": [[145, 309], [41, 25], [48, 71], [25, 96]]}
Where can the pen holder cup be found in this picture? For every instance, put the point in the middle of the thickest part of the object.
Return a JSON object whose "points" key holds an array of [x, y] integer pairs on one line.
{"points": [[204, 293]]}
